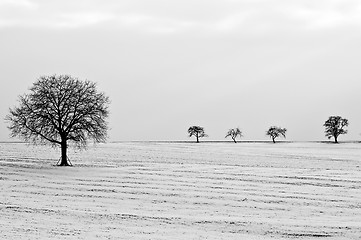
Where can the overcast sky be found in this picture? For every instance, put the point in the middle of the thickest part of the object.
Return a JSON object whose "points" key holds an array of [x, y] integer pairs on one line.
{"points": [[170, 64]]}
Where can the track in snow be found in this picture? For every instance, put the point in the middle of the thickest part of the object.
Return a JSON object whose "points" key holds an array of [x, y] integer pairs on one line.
{"points": [[183, 191]]}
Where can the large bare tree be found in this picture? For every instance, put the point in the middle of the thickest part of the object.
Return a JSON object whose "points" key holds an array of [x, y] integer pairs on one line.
{"points": [[274, 132], [58, 109], [335, 125], [234, 133], [197, 131]]}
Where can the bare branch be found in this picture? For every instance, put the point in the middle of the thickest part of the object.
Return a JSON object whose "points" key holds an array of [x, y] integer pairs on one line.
{"points": [[60, 108], [234, 133], [197, 131], [334, 126], [274, 132]]}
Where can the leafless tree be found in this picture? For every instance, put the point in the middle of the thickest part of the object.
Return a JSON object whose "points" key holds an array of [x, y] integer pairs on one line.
{"points": [[234, 133], [275, 132], [58, 109], [335, 126], [197, 131]]}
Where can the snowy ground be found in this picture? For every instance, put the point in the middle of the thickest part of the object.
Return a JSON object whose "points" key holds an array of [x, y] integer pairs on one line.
{"points": [[182, 191]]}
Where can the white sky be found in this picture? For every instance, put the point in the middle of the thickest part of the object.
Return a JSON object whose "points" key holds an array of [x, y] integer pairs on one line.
{"points": [[167, 65]]}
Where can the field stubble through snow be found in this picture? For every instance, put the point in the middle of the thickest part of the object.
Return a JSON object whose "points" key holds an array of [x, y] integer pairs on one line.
{"points": [[154, 190]]}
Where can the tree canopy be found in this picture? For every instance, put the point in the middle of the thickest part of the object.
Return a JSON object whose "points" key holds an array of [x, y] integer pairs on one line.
{"points": [[234, 133], [58, 109], [274, 132], [335, 126], [197, 131]]}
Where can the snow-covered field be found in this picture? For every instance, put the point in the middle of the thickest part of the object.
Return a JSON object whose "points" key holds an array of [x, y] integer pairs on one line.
{"points": [[149, 190]]}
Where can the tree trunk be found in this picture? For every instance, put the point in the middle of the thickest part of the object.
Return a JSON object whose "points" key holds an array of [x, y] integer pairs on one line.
{"points": [[64, 158], [197, 138], [273, 139], [234, 140], [336, 139]]}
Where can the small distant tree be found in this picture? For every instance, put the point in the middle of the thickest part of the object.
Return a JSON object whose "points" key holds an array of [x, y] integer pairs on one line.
{"points": [[197, 131], [234, 133], [275, 132], [58, 109], [335, 126]]}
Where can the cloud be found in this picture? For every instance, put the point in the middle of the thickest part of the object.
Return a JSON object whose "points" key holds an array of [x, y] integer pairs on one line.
{"points": [[329, 16], [18, 3], [80, 19], [303, 15], [26, 13], [229, 23], [164, 17]]}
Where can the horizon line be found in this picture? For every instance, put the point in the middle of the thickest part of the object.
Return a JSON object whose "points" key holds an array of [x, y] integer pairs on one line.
{"points": [[205, 141]]}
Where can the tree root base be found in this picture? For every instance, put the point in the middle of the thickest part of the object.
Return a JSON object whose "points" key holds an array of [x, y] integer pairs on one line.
{"points": [[61, 164], [64, 165]]}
